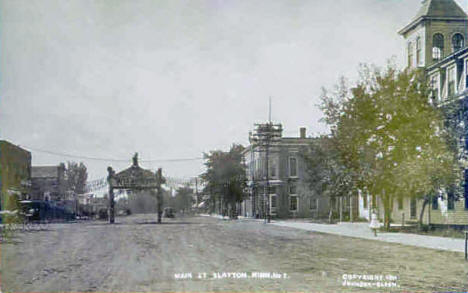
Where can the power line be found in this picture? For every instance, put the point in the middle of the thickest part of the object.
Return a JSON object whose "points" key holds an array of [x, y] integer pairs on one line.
{"points": [[110, 159]]}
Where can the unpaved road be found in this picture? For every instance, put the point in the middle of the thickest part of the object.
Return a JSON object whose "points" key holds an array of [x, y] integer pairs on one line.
{"points": [[138, 255]]}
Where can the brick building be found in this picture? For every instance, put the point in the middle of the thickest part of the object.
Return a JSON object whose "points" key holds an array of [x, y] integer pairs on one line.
{"points": [[48, 182], [288, 194], [15, 174]]}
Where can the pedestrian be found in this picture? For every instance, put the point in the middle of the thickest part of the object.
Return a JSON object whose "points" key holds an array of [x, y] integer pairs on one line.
{"points": [[374, 224]]}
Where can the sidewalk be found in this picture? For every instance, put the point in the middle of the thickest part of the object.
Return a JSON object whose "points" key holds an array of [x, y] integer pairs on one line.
{"points": [[361, 230]]}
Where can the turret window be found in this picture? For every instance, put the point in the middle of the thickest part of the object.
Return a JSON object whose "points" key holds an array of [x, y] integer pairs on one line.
{"points": [[458, 42], [437, 46]]}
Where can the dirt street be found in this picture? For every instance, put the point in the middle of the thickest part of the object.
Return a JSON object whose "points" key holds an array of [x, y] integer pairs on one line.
{"points": [[192, 253]]}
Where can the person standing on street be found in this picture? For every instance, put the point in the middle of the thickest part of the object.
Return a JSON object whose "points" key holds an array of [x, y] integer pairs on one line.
{"points": [[374, 224]]}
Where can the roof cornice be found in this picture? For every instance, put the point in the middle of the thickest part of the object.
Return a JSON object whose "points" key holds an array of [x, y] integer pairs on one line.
{"points": [[418, 20]]}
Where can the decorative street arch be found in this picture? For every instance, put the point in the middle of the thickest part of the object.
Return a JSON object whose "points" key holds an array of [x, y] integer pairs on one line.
{"points": [[135, 178]]}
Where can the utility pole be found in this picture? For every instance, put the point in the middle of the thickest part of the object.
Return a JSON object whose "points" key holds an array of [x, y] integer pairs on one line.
{"points": [[252, 178], [262, 137], [267, 183], [267, 155], [196, 191], [159, 181], [112, 182]]}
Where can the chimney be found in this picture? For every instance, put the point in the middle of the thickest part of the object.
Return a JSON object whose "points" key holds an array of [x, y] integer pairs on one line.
{"points": [[302, 131]]}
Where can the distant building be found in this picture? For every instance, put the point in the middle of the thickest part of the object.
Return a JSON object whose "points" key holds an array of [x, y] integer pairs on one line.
{"points": [[15, 174], [288, 194], [48, 183]]}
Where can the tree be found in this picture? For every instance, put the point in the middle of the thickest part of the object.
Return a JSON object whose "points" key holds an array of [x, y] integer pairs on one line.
{"points": [[142, 201], [76, 176], [390, 136], [326, 173], [183, 198], [225, 177]]}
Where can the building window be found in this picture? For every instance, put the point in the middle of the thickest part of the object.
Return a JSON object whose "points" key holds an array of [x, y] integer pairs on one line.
{"points": [[273, 201], [292, 189], [292, 167], [413, 208], [436, 53], [264, 169], [418, 51], [410, 54], [364, 199], [435, 86], [400, 203], [293, 202], [450, 200], [437, 46], [273, 168], [466, 74], [435, 203], [466, 189], [451, 82], [458, 42], [272, 190], [314, 203]]}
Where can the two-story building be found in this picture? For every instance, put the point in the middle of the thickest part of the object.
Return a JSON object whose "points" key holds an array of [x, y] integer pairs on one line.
{"points": [[283, 190], [48, 183], [15, 174]]}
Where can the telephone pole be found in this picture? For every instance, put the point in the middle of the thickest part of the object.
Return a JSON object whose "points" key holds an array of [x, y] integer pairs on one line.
{"points": [[267, 183], [267, 159], [196, 191], [262, 137]]}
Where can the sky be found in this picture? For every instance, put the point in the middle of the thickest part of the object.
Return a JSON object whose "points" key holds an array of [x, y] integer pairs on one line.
{"points": [[173, 79]]}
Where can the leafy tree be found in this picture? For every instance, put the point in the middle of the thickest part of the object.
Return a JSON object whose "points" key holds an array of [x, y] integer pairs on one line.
{"points": [[225, 177], [76, 176], [142, 201], [390, 137], [326, 173], [183, 199]]}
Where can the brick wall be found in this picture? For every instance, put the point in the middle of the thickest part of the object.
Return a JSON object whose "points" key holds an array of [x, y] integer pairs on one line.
{"points": [[15, 171]]}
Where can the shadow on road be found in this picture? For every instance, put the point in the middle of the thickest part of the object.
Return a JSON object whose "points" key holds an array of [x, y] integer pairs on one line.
{"points": [[146, 223], [168, 223]]}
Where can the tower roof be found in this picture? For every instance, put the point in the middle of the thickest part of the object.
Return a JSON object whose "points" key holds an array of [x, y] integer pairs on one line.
{"points": [[440, 8], [437, 9]]}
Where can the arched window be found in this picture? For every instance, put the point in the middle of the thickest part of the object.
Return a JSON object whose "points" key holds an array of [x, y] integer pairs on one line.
{"points": [[437, 46], [458, 42]]}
